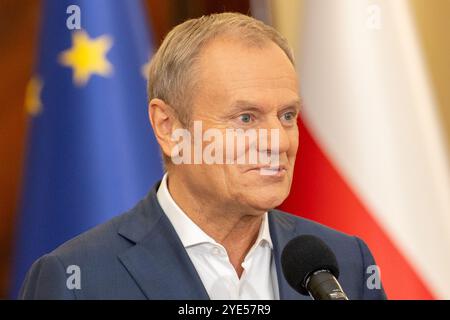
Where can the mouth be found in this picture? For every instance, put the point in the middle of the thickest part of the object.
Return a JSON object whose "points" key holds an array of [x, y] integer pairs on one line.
{"points": [[266, 170]]}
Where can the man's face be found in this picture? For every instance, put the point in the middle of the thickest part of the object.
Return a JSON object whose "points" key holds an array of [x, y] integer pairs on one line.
{"points": [[241, 87]]}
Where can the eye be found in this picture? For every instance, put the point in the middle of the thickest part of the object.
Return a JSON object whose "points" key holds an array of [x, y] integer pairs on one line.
{"points": [[245, 118], [289, 116]]}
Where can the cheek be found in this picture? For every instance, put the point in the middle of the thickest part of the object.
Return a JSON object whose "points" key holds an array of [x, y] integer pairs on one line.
{"points": [[293, 143]]}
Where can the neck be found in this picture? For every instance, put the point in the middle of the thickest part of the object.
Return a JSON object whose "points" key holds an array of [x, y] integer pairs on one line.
{"points": [[233, 228]]}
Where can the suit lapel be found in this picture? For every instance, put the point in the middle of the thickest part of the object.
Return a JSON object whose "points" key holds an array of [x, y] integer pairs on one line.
{"points": [[282, 229], [158, 262]]}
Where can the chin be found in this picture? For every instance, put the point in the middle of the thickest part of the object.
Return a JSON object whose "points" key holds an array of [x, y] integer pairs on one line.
{"points": [[266, 201], [263, 196]]}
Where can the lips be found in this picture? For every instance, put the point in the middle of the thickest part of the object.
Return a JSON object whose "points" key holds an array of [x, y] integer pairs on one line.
{"points": [[266, 170], [272, 171], [272, 167]]}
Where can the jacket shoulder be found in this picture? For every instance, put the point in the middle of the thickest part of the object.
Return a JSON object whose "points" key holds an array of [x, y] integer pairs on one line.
{"points": [[94, 256], [307, 226], [103, 238], [353, 255]]}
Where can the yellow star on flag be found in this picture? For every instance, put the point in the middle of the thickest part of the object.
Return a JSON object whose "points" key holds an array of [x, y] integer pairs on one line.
{"points": [[87, 57], [33, 103], [145, 69]]}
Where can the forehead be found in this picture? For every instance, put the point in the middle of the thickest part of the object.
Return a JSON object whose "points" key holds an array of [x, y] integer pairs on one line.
{"points": [[232, 70]]}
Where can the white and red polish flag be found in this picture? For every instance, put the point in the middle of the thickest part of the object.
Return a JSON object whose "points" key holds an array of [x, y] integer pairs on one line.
{"points": [[371, 160]]}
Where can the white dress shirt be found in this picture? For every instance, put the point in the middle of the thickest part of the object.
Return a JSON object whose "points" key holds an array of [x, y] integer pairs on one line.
{"points": [[210, 259]]}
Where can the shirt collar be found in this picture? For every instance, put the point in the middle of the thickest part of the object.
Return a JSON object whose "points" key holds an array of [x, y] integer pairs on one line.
{"points": [[189, 233]]}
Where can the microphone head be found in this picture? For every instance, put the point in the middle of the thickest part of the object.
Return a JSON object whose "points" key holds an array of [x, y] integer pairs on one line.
{"points": [[304, 255]]}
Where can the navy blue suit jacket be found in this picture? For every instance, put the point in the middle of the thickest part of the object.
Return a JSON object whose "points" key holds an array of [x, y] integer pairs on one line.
{"points": [[138, 255]]}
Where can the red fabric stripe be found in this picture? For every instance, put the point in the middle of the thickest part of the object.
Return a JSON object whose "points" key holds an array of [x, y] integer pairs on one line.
{"points": [[319, 193]]}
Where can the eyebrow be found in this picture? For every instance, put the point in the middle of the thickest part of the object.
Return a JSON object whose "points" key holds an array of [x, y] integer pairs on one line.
{"points": [[241, 105]]}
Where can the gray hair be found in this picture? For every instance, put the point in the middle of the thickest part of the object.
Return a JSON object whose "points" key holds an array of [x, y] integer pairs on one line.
{"points": [[172, 66]]}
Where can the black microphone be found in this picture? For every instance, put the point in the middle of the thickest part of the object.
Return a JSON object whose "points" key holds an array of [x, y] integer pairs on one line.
{"points": [[310, 267]]}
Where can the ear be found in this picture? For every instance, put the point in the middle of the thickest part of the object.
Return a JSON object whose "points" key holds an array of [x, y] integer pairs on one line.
{"points": [[164, 122]]}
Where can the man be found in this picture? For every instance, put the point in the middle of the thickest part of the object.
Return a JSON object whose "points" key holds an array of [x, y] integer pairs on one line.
{"points": [[207, 230]]}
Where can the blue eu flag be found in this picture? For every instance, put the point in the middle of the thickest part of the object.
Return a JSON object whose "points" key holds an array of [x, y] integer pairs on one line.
{"points": [[91, 153]]}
